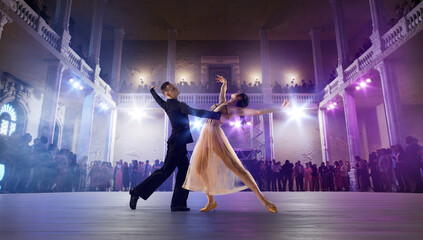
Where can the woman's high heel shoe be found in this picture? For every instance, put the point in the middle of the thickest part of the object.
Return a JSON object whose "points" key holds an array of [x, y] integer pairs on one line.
{"points": [[270, 206], [208, 207]]}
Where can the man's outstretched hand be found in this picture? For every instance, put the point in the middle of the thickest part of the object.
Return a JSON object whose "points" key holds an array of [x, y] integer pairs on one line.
{"points": [[153, 87]]}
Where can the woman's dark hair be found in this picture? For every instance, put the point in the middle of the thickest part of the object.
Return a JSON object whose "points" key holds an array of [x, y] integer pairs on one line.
{"points": [[245, 100]]}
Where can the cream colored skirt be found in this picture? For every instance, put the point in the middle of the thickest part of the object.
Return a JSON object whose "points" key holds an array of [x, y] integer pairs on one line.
{"points": [[213, 163]]}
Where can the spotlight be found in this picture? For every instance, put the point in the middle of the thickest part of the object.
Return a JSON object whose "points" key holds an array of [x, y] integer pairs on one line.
{"points": [[357, 87], [197, 124], [237, 124], [363, 84], [249, 123], [331, 106], [104, 106], [75, 84], [335, 103], [71, 80], [231, 123], [328, 108], [297, 113], [81, 88], [368, 80], [137, 114]]}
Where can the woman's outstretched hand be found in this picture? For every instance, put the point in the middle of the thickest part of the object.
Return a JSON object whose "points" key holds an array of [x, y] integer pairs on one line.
{"points": [[285, 103], [221, 79]]}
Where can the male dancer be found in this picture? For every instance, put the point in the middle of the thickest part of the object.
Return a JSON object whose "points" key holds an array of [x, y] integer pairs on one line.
{"points": [[176, 155]]}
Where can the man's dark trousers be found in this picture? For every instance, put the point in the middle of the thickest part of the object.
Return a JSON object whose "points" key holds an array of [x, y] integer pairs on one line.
{"points": [[176, 157]]}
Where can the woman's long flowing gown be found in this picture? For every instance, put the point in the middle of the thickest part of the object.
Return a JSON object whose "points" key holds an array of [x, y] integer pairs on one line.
{"points": [[215, 168]]}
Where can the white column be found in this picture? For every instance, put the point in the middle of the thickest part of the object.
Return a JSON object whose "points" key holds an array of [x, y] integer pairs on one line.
{"points": [[268, 136], [3, 20], [85, 129], [51, 99], [96, 32], [379, 21], [392, 103], [324, 135], [353, 136], [61, 21], [341, 35], [317, 58], [265, 67], [171, 55], [117, 59], [111, 133], [378, 12], [267, 93]]}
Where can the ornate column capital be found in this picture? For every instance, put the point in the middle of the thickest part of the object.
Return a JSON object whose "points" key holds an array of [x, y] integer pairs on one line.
{"points": [[4, 18]]}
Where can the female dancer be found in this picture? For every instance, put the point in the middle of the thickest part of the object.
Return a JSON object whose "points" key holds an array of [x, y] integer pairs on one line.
{"points": [[215, 169]]}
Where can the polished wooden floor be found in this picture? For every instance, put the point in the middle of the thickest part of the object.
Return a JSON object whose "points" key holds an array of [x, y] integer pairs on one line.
{"points": [[303, 215]]}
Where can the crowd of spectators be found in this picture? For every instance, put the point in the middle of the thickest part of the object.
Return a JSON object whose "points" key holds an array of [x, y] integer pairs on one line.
{"points": [[392, 169], [387, 170], [256, 87], [44, 168], [304, 87], [275, 176]]}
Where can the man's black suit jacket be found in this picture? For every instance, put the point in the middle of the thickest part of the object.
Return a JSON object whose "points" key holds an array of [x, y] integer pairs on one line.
{"points": [[178, 115]]}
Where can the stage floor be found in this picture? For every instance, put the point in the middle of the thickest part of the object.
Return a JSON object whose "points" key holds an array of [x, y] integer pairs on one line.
{"points": [[302, 215]]}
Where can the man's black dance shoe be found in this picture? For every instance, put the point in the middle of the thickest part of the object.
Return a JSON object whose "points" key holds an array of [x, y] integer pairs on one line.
{"points": [[133, 201], [180, 209]]}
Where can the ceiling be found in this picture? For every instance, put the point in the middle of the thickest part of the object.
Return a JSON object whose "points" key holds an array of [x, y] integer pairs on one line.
{"points": [[223, 19]]}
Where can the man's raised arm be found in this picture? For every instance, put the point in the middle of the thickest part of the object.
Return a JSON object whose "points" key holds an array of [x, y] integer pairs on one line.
{"points": [[158, 99]]}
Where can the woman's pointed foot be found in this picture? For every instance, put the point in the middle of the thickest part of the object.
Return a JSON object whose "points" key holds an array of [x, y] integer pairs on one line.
{"points": [[209, 207], [270, 206]]}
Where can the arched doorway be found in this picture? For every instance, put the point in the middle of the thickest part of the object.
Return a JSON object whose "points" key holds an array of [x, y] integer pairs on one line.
{"points": [[11, 119]]}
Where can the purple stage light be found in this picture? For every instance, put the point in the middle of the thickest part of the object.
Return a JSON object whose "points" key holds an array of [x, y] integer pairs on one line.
{"points": [[231, 123], [237, 124], [357, 88], [368, 80], [249, 123], [71, 80], [363, 84], [335, 103]]}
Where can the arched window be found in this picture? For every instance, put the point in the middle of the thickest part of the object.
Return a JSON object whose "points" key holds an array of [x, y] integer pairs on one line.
{"points": [[7, 119]]}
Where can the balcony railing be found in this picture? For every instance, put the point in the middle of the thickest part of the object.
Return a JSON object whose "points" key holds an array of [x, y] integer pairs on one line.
{"points": [[391, 40], [128, 100], [32, 19]]}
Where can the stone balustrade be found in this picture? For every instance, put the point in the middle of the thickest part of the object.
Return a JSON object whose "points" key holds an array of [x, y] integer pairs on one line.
{"points": [[30, 17], [414, 17], [351, 71], [128, 100], [406, 24], [399, 34], [365, 59]]}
